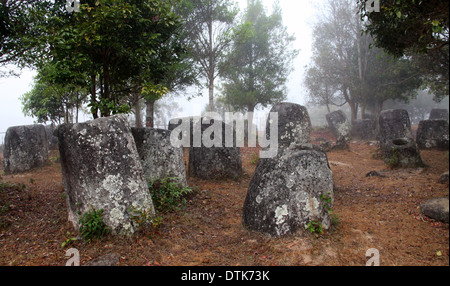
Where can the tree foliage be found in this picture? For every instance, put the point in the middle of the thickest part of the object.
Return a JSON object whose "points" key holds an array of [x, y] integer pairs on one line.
{"points": [[256, 68], [208, 26], [19, 21], [347, 68], [414, 28], [55, 103], [336, 55], [391, 78], [117, 48]]}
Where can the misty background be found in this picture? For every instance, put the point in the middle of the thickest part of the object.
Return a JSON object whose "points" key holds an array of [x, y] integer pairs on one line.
{"points": [[299, 16]]}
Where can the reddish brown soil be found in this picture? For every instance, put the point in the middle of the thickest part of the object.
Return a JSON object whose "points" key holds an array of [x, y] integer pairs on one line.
{"points": [[375, 212]]}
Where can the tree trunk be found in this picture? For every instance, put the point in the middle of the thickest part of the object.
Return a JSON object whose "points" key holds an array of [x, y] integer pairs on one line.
{"points": [[94, 108], [77, 106], [138, 114], [361, 80], [149, 119], [211, 64], [327, 98], [105, 112], [352, 104], [211, 95], [362, 69], [251, 141], [379, 107]]}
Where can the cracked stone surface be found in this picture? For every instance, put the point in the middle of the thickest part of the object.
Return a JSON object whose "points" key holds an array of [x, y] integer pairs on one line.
{"points": [[101, 169]]}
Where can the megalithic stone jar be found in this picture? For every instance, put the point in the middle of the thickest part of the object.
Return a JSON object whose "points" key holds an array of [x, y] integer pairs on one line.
{"points": [[101, 170]]}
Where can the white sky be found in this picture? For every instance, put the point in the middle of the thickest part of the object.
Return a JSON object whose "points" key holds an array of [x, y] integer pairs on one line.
{"points": [[298, 16]]}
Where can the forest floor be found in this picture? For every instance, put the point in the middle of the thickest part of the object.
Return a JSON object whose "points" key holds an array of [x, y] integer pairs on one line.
{"points": [[374, 212]]}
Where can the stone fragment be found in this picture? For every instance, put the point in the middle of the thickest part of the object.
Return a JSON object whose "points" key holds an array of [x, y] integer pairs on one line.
{"points": [[433, 134], [444, 178], [289, 191], [158, 157], [101, 170], [436, 209], [375, 174], [26, 148], [111, 259]]}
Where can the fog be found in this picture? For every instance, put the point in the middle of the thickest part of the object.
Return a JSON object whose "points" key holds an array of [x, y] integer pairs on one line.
{"points": [[299, 16]]}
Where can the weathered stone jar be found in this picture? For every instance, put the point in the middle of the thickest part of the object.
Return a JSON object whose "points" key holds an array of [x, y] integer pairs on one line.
{"points": [[396, 140], [26, 148], [433, 134], [364, 129], [439, 114], [101, 170], [341, 128], [403, 152], [158, 157], [289, 191], [294, 124], [217, 161]]}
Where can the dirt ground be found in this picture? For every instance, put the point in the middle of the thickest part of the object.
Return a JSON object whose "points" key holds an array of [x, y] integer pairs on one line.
{"points": [[374, 212]]}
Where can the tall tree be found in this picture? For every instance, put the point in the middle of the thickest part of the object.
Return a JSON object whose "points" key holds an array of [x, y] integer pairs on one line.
{"points": [[112, 46], [322, 88], [18, 31], [208, 24], [256, 68], [173, 70], [391, 78], [52, 102], [338, 52], [343, 58], [119, 40], [415, 28]]}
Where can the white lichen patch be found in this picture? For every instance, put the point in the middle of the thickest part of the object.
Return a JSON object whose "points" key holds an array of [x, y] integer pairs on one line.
{"points": [[280, 214], [83, 132], [315, 211], [133, 186], [117, 221], [113, 185]]}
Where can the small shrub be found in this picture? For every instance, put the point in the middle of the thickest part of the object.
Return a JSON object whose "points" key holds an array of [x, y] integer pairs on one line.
{"points": [[92, 225], [254, 159], [327, 207], [315, 227], [144, 220], [394, 160], [168, 194], [70, 240]]}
